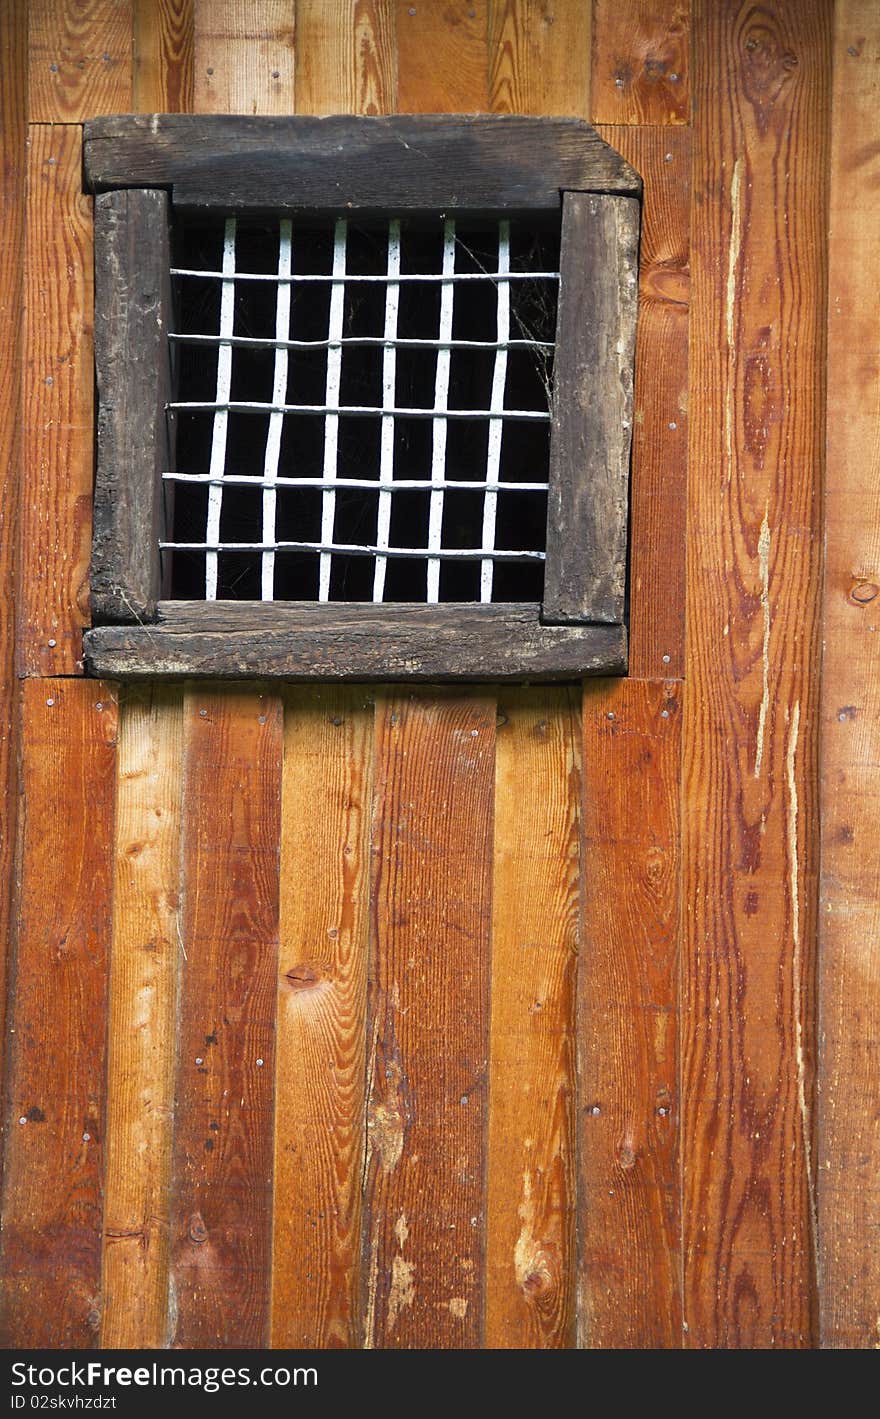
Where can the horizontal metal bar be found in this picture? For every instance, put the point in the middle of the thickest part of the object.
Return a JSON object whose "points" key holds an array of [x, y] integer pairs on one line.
{"points": [[327, 277], [256, 342], [353, 550], [367, 485], [210, 406]]}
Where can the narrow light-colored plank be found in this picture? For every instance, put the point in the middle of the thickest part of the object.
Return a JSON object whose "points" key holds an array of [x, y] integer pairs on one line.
{"points": [[13, 85], [322, 985], [243, 56], [762, 106], [848, 1164], [428, 1030], [221, 1215], [162, 80], [530, 1227], [658, 499], [52, 1210], [443, 56], [143, 1020], [79, 54], [629, 1281], [641, 61], [346, 56], [539, 57], [58, 407]]}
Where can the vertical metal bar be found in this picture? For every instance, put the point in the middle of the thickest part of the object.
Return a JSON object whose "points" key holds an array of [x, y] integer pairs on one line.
{"points": [[389, 375], [221, 416], [331, 420], [276, 418], [496, 404], [441, 401]]}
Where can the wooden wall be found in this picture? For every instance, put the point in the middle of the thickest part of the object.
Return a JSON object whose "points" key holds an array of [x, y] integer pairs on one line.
{"points": [[514, 1018]]}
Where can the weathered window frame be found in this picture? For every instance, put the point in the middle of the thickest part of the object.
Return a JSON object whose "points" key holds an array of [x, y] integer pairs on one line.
{"points": [[141, 166]]}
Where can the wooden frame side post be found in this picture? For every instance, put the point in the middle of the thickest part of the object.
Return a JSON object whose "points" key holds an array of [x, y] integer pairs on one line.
{"points": [[132, 363], [591, 432]]}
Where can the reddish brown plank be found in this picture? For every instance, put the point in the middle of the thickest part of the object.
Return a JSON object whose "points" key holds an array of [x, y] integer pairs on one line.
{"points": [[658, 503], [531, 1186], [346, 56], [539, 57], [244, 56], [162, 78], [628, 1107], [54, 1116], [80, 59], [848, 1163], [221, 1215], [641, 61], [13, 77], [142, 1024], [442, 57], [749, 810], [322, 985], [57, 408], [428, 1025]]}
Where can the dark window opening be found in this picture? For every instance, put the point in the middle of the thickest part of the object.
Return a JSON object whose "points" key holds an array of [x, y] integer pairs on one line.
{"points": [[280, 491]]}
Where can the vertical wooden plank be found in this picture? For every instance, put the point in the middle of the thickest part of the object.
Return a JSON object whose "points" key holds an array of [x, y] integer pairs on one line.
{"points": [[346, 56], [443, 56], [13, 104], [221, 1215], [641, 61], [428, 1030], [750, 834], [54, 1114], [530, 1214], [658, 496], [849, 967], [162, 79], [243, 56], [142, 1020], [79, 59], [322, 985], [592, 412], [539, 57], [58, 412], [628, 1107]]}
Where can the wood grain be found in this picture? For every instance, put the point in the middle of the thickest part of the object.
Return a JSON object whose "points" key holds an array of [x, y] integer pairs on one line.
{"points": [[322, 994], [628, 1108], [539, 57], [221, 1217], [57, 408], [162, 56], [54, 1110], [658, 489], [142, 1024], [428, 1024], [442, 56], [243, 56], [79, 59], [133, 313], [592, 412], [531, 1207], [849, 971], [346, 56], [750, 834], [309, 641], [641, 61], [13, 103]]}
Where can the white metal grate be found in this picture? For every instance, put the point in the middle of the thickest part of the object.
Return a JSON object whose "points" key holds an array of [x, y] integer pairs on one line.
{"points": [[291, 410]]}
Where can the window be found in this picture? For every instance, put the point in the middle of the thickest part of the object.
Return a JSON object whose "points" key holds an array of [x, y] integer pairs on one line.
{"points": [[365, 392]]}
